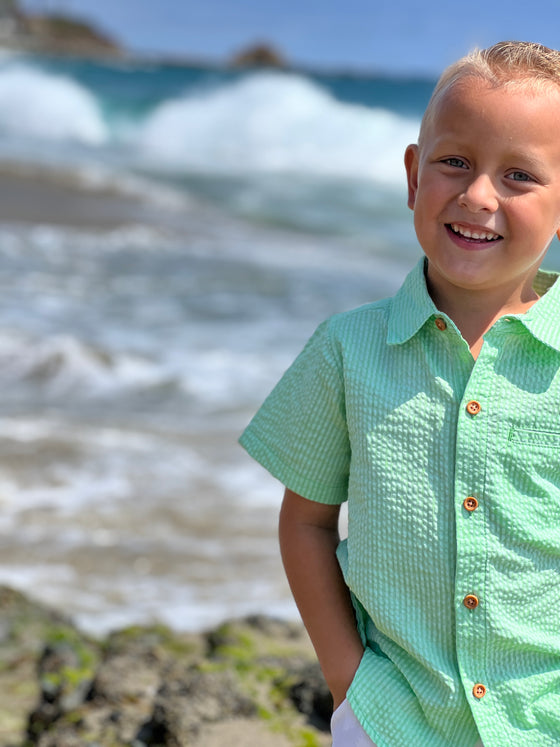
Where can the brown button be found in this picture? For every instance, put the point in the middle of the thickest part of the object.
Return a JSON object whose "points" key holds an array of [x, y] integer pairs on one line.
{"points": [[479, 691], [470, 601], [470, 503], [441, 324], [473, 407]]}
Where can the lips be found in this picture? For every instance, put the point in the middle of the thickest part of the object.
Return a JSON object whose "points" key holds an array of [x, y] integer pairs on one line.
{"points": [[473, 234]]}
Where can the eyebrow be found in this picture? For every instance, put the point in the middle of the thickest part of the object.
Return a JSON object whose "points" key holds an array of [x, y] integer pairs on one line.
{"points": [[527, 162], [523, 159]]}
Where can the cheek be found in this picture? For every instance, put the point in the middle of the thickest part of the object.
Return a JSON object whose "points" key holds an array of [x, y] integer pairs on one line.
{"points": [[425, 215], [433, 196], [418, 222], [536, 222], [426, 233]]}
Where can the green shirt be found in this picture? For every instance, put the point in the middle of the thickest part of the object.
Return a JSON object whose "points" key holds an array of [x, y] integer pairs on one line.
{"points": [[451, 469]]}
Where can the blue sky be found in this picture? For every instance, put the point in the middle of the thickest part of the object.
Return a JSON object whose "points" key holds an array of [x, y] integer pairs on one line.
{"points": [[402, 37]]}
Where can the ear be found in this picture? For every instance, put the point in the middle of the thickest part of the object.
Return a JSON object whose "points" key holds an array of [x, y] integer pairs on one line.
{"points": [[411, 165]]}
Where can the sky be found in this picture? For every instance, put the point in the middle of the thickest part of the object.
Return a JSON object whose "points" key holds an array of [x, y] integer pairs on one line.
{"points": [[403, 37]]}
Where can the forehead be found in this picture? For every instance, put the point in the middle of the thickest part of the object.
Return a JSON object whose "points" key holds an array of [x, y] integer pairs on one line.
{"points": [[518, 110], [465, 85]]}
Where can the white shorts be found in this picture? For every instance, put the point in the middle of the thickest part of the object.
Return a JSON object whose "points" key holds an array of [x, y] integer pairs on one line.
{"points": [[347, 731]]}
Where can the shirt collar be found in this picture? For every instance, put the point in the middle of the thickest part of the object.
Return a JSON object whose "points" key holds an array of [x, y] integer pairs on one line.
{"points": [[412, 306], [542, 320]]}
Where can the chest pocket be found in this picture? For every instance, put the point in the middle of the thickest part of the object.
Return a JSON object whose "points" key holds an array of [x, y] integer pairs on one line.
{"points": [[533, 439], [534, 462], [529, 505]]}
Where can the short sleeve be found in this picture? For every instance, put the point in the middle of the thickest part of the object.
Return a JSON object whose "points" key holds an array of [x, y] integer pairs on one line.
{"points": [[300, 434]]}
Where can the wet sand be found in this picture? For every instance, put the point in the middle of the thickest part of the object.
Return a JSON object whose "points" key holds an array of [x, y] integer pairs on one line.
{"points": [[43, 197]]}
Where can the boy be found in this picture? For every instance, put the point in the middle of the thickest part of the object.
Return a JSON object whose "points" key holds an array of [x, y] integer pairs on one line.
{"points": [[436, 414]]}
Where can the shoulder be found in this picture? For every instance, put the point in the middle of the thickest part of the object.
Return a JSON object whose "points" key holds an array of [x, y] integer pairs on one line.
{"points": [[360, 325], [342, 337]]}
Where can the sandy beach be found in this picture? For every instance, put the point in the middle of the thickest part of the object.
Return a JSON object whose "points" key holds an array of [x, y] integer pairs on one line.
{"points": [[39, 195]]}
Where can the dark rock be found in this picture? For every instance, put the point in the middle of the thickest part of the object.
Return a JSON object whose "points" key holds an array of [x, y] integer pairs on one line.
{"points": [[189, 699], [126, 679], [25, 628], [66, 669], [259, 55], [61, 34], [121, 693], [152, 687], [53, 33], [311, 696], [122, 696], [25, 620]]}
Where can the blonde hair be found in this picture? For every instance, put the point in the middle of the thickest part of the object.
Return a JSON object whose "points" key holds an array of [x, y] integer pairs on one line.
{"points": [[507, 63]]}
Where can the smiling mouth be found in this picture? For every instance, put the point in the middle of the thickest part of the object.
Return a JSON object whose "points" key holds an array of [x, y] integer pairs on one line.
{"points": [[465, 233]]}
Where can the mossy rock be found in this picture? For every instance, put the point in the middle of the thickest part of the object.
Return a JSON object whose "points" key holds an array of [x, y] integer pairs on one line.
{"points": [[25, 625], [259, 637], [276, 666], [158, 641], [242, 681]]}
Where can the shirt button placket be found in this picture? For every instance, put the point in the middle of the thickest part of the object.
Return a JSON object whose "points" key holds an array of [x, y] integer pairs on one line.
{"points": [[470, 505]]}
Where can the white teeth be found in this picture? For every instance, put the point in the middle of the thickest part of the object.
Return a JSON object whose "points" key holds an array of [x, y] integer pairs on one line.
{"points": [[474, 234]]}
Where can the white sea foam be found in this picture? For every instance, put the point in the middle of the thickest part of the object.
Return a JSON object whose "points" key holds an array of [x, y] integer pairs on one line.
{"points": [[77, 472], [152, 601], [61, 368], [265, 122], [274, 122], [131, 359], [38, 104], [65, 366]]}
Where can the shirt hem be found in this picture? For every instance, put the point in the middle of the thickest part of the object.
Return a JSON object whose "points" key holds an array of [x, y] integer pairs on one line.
{"points": [[267, 457]]}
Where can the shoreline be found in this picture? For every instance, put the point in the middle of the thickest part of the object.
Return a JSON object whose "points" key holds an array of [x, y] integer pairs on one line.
{"points": [[90, 553], [36, 195]]}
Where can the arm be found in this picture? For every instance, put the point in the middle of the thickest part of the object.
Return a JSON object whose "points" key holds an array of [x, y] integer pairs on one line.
{"points": [[308, 540]]}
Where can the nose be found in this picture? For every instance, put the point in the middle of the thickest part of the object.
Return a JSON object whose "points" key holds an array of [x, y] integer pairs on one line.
{"points": [[479, 195]]}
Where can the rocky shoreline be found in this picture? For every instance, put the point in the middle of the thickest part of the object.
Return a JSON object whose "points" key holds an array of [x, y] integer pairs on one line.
{"points": [[52, 33], [248, 682]]}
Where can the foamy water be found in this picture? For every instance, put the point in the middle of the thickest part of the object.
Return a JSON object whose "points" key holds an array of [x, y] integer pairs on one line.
{"points": [[264, 122], [130, 370], [48, 107], [272, 122], [131, 358]]}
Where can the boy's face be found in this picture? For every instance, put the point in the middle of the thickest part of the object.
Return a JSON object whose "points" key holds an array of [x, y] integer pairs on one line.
{"points": [[485, 186]]}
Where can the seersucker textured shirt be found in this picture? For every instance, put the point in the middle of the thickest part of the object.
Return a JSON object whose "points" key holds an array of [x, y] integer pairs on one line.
{"points": [[451, 469]]}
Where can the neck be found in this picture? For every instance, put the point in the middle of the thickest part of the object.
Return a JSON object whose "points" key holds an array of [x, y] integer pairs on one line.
{"points": [[474, 312]]}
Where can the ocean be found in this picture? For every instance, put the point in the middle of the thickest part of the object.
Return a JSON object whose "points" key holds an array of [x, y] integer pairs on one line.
{"points": [[169, 238]]}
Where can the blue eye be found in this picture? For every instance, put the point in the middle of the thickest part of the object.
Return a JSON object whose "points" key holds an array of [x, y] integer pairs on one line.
{"points": [[519, 176], [455, 162]]}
